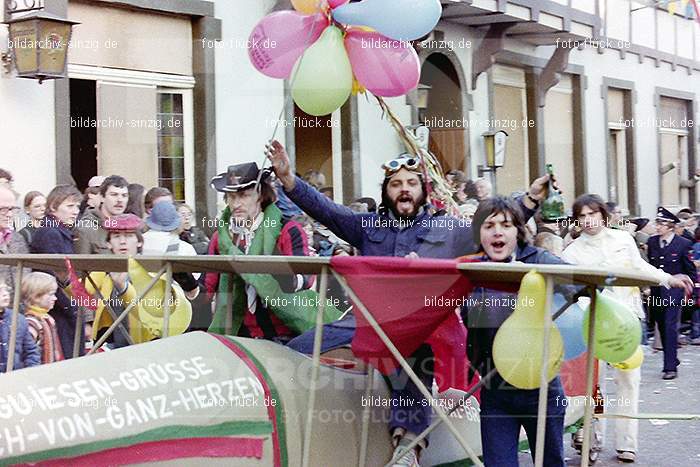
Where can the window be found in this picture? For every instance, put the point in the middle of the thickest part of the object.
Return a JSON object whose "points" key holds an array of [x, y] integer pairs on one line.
{"points": [[171, 144]]}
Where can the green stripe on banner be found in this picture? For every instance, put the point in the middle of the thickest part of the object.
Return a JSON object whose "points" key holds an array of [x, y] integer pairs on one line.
{"points": [[158, 434], [274, 395]]}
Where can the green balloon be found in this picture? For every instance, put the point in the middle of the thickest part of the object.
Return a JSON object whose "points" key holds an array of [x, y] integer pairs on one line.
{"points": [[617, 330], [323, 75]]}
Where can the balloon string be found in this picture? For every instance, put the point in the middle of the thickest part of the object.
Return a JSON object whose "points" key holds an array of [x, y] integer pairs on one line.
{"points": [[288, 94]]}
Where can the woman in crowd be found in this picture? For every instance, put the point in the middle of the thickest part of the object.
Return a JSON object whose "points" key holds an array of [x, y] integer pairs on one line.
{"points": [[26, 352], [39, 296], [136, 204], [55, 236], [190, 232], [35, 207], [499, 230]]}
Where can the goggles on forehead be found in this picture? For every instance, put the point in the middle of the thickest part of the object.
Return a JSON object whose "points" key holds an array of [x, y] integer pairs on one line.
{"points": [[394, 165]]}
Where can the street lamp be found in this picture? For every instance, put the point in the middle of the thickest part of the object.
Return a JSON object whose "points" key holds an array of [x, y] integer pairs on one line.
{"points": [[39, 45], [495, 145]]}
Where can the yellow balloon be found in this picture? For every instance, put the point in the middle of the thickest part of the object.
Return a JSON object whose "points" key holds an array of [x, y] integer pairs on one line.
{"points": [[518, 345], [308, 7], [635, 361]]}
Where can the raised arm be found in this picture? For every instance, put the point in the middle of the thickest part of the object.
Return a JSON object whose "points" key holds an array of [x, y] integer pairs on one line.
{"points": [[341, 220]]}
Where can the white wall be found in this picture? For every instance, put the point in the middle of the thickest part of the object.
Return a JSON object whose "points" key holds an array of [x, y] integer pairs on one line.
{"points": [[378, 140], [246, 100], [27, 130]]}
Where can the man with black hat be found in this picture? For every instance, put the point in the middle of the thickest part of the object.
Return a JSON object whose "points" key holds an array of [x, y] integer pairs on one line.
{"points": [[264, 306], [670, 253], [405, 225]]}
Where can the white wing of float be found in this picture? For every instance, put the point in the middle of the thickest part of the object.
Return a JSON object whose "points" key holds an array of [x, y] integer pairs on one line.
{"points": [[229, 401]]}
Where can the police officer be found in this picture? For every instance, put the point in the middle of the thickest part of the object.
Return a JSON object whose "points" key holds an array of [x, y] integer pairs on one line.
{"points": [[670, 253]]}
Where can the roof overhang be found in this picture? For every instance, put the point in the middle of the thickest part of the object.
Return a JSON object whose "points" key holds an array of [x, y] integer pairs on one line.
{"points": [[538, 22]]}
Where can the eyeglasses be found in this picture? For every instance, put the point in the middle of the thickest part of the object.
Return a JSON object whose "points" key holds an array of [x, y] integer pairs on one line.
{"points": [[4, 210], [394, 165]]}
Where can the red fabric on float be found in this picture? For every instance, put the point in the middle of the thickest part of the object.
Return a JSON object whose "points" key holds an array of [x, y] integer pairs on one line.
{"points": [[410, 299]]}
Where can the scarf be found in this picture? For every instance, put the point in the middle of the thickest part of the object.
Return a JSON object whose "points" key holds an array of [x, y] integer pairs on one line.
{"points": [[38, 311], [286, 306], [47, 333]]}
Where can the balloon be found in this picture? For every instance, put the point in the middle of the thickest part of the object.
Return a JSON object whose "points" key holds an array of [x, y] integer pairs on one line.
{"points": [[385, 67], [569, 324], [151, 307], [323, 75], [518, 346], [308, 7], [397, 19], [336, 3], [617, 330], [280, 38], [635, 361]]}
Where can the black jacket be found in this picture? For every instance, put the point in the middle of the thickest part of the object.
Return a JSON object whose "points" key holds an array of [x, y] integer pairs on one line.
{"points": [[483, 321], [55, 237]]}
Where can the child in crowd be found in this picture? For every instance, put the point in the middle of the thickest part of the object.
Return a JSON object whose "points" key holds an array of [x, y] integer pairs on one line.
{"points": [[39, 295], [26, 352]]}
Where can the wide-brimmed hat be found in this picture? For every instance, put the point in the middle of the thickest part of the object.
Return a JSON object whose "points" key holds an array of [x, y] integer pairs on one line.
{"points": [[151, 306], [164, 217], [239, 177]]}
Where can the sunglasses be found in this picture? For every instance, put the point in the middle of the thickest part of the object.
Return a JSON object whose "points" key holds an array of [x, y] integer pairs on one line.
{"points": [[394, 165]]}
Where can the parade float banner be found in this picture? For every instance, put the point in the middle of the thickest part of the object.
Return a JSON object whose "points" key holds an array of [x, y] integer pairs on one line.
{"points": [[182, 397]]}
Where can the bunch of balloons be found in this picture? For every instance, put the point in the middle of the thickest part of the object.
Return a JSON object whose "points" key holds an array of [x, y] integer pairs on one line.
{"points": [[327, 45]]}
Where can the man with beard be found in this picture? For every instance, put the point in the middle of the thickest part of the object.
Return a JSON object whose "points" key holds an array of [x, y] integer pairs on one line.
{"points": [[92, 235], [406, 225]]}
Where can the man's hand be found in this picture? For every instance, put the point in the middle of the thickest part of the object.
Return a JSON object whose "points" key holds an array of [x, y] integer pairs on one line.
{"points": [[119, 279], [280, 163], [412, 255], [681, 281], [538, 189]]}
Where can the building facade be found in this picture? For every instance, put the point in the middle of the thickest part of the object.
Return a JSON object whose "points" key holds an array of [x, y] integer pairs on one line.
{"points": [[138, 100], [605, 90]]}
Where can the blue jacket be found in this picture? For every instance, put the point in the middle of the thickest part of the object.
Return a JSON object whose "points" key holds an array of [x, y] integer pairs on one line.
{"points": [[483, 321], [54, 237], [26, 351], [428, 235], [676, 258]]}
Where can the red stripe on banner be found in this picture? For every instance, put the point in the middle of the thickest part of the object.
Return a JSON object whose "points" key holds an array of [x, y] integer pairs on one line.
{"points": [[697, 10], [158, 451], [270, 409]]}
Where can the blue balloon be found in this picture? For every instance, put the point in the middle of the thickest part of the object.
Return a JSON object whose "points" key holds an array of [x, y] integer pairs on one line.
{"points": [[569, 324], [405, 20]]}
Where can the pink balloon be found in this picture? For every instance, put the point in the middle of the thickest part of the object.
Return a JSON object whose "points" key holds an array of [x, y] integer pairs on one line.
{"points": [[280, 38], [384, 66], [337, 3]]}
